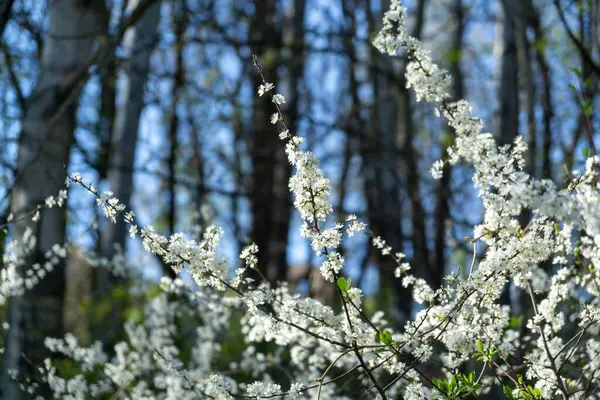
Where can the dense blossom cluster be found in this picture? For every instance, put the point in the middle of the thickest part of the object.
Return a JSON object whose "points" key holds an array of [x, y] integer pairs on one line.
{"points": [[552, 261], [19, 273]]}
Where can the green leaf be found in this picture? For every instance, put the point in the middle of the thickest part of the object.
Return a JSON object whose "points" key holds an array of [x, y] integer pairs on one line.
{"points": [[453, 382], [344, 284], [515, 322], [507, 392], [452, 56], [540, 45], [587, 107], [385, 337], [447, 139]]}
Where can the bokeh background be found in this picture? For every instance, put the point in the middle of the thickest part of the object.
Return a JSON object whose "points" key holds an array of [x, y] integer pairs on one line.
{"points": [[156, 101]]}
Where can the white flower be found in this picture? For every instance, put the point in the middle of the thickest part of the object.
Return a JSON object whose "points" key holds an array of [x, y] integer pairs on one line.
{"points": [[278, 99], [381, 244], [76, 176], [296, 390], [110, 205], [50, 202], [133, 230], [401, 269], [262, 390], [266, 87], [274, 118], [248, 251], [423, 352], [437, 169], [355, 226], [332, 265]]}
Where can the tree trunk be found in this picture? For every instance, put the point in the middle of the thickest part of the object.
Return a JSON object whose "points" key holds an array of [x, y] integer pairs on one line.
{"points": [[405, 142], [46, 136], [138, 42], [5, 11], [382, 179], [293, 36], [179, 26], [270, 208], [508, 127], [508, 124], [444, 192]]}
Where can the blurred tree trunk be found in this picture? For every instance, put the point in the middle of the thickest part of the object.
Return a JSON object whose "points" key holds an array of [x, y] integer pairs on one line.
{"points": [[5, 11], [588, 30], [138, 43], [270, 209], [356, 134], [548, 112], [47, 132], [179, 15], [444, 191], [380, 166], [106, 119], [587, 74], [79, 274], [78, 296], [391, 149], [508, 94], [294, 56], [529, 88], [406, 143]]}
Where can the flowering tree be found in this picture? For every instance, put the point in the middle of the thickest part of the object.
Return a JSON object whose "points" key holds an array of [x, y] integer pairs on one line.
{"points": [[463, 343]]}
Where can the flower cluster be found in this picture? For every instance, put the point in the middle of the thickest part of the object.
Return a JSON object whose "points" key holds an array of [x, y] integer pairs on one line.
{"points": [[552, 260], [110, 205]]}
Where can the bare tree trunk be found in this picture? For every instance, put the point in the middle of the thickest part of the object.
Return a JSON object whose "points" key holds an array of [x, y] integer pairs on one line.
{"points": [[78, 293], [5, 11], [238, 131], [587, 29], [179, 26], [270, 208], [380, 167], [508, 127], [138, 42], [44, 149], [405, 141], [546, 98], [444, 192], [420, 259], [529, 89], [79, 275], [293, 36], [508, 124], [104, 129]]}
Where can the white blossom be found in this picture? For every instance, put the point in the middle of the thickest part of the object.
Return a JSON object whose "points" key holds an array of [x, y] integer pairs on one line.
{"points": [[264, 88]]}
